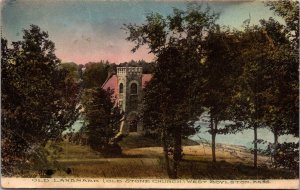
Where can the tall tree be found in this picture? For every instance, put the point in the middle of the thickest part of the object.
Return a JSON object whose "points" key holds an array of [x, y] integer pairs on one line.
{"points": [[38, 102], [249, 99], [220, 73], [103, 121], [285, 39], [165, 110], [268, 75], [283, 102], [177, 41]]}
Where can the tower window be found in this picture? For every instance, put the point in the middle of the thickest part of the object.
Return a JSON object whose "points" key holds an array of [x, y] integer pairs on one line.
{"points": [[120, 104], [121, 88], [133, 88]]}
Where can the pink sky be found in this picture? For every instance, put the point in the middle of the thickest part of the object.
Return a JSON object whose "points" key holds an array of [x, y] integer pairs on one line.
{"points": [[90, 31], [82, 55]]}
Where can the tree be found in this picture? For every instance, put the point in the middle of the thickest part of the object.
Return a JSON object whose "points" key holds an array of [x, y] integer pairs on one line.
{"points": [[250, 97], [283, 105], [168, 112], [220, 73], [73, 71], [268, 75], [177, 42], [285, 58], [103, 121], [95, 74], [289, 11], [38, 102]]}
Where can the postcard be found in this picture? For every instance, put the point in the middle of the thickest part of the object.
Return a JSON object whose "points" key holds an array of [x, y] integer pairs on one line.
{"points": [[150, 94]]}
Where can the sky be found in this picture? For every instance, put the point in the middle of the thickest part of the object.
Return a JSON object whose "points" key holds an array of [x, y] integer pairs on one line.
{"points": [[90, 30]]}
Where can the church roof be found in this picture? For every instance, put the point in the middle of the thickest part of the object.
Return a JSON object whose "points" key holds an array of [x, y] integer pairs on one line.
{"points": [[112, 82], [145, 79]]}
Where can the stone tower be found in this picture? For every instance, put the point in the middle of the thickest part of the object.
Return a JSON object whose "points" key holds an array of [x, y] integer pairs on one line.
{"points": [[129, 97]]}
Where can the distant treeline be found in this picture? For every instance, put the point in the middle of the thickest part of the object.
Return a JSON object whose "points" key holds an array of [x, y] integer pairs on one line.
{"points": [[94, 74]]}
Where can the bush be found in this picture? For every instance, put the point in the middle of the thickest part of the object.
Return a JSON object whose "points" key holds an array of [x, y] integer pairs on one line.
{"points": [[112, 150], [287, 156]]}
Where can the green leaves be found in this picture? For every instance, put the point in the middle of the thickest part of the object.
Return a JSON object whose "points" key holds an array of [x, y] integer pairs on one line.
{"points": [[289, 11], [184, 28], [95, 74], [248, 76], [38, 103], [103, 119], [153, 33], [171, 104]]}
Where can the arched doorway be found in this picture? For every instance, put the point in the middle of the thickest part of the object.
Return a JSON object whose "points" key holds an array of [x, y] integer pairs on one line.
{"points": [[133, 89], [121, 88], [132, 121]]}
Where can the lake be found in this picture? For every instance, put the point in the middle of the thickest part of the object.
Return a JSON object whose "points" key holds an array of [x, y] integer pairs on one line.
{"points": [[244, 138]]}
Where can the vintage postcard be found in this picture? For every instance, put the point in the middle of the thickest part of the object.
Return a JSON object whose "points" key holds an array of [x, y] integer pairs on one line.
{"points": [[150, 94]]}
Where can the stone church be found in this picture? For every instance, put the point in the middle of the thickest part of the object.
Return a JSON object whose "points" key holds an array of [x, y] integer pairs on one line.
{"points": [[128, 84]]}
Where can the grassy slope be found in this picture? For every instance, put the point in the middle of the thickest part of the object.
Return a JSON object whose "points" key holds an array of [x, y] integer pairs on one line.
{"points": [[134, 140], [147, 162]]}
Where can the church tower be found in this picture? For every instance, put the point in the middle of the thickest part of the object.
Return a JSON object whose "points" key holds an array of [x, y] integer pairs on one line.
{"points": [[129, 97]]}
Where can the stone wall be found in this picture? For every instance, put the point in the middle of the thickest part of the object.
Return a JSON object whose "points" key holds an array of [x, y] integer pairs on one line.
{"points": [[130, 99]]}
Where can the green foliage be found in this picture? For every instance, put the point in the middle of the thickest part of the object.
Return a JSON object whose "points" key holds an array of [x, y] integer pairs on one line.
{"points": [[162, 100], [153, 33], [170, 103], [287, 156], [184, 28], [219, 75], [95, 74], [103, 120], [165, 110], [38, 101], [266, 93], [73, 71], [255, 87], [289, 11]]}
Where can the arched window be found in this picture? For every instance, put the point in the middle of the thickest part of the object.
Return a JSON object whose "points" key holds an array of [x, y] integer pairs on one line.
{"points": [[133, 88], [121, 88]]}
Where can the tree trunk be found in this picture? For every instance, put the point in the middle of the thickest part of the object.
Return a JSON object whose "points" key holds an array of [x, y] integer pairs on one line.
{"points": [[177, 152], [214, 135], [255, 146], [166, 155], [213, 139], [213, 146], [275, 147]]}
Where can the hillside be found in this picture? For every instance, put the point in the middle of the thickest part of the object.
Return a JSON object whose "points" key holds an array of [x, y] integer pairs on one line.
{"points": [[233, 162], [134, 140]]}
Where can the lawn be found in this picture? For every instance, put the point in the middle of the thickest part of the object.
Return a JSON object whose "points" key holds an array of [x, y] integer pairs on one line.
{"points": [[140, 160]]}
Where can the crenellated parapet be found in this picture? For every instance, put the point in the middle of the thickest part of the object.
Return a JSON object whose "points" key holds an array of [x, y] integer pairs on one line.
{"points": [[129, 70]]}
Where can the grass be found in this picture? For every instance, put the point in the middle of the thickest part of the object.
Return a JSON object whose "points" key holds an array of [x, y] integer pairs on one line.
{"points": [[134, 140], [140, 160], [72, 151]]}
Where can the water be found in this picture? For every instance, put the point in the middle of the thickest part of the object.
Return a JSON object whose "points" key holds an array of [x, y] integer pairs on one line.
{"points": [[243, 138], [76, 126]]}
